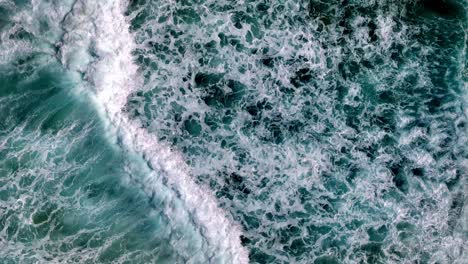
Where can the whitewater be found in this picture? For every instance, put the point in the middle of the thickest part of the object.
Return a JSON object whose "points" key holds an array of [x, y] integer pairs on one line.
{"points": [[202, 131], [113, 76]]}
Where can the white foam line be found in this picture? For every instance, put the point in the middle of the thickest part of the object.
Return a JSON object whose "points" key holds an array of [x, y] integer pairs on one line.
{"points": [[114, 76]]}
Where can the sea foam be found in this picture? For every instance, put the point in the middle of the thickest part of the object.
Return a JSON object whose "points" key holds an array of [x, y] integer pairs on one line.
{"points": [[98, 45]]}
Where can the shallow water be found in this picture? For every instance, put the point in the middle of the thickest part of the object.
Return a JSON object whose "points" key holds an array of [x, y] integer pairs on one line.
{"points": [[154, 131]]}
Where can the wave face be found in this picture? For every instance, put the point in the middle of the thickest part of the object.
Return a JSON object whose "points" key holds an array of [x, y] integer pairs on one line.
{"points": [[156, 131], [80, 181], [112, 75]]}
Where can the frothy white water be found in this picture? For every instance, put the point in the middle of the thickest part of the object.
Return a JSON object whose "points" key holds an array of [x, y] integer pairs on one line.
{"points": [[99, 45], [29, 29]]}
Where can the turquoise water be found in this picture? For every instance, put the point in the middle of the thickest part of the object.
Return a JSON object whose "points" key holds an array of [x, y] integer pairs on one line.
{"points": [[154, 131]]}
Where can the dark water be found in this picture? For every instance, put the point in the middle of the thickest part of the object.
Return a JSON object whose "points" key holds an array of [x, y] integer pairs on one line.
{"points": [[233, 131]]}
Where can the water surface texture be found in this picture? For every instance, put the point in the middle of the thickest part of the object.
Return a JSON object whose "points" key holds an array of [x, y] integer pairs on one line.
{"points": [[220, 131]]}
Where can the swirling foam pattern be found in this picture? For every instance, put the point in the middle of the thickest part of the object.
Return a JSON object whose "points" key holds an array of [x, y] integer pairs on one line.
{"points": [[333, 131], [220, 131], [79, 182]]}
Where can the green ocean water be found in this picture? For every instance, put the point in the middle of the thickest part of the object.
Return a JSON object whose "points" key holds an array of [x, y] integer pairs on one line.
{"points": [[199, 131]]}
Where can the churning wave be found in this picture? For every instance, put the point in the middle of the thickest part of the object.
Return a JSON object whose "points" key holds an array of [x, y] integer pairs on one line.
{"points": [[218, 131], [95, 47], [103, 28]]}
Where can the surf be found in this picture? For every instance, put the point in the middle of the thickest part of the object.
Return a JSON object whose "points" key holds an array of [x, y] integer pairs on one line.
{"points": [[113, 76]]}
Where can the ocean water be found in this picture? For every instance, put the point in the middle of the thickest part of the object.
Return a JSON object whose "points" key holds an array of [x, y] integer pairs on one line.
{"points": [[251, 131]]}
